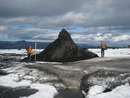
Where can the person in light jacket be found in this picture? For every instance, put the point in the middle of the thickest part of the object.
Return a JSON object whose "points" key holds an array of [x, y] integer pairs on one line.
{"points": [[103, 48]]}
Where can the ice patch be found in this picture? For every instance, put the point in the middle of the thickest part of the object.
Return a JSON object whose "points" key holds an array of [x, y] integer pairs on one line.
{"points": [[16, 51], [45, 91], [96, 90], [119, 92], [33, 78], [122, 52]]}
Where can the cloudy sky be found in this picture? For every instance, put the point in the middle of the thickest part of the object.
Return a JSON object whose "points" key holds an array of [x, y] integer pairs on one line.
{"points": [[86, 20]]}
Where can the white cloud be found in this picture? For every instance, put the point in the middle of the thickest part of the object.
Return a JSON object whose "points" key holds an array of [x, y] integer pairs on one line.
{"points": [[102, 37], [2, 28], [124, 37]]}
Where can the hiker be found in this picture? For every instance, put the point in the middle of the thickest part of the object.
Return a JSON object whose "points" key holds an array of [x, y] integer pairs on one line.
{"points": [[103, 48], [29, 51]]}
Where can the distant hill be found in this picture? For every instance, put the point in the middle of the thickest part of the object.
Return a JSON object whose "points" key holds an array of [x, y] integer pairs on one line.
{"points": [[40, 45], [21, 44]]}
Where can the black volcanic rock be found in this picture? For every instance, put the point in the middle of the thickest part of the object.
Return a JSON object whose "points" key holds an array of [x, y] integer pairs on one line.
{"points": [[63, 49], [2, 72]]}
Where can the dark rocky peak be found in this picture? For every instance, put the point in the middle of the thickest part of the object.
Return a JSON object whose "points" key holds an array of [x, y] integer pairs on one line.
{"points": [[64, 35], [63, 49]]}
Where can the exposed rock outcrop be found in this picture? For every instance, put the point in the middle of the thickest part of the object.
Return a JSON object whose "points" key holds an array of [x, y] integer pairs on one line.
{"points": [[63, 49], [2, 72], [106, 79]]}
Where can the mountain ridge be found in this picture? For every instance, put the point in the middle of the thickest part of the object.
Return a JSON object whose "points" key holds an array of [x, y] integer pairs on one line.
{"points": [[41, 45]]}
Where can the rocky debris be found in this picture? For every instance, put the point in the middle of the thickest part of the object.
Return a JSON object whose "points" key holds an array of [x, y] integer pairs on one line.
{"points": [[106, 79], [2, 72], [11, 57], [1, 58], [67, 93], [63, 49], [7, 92]]}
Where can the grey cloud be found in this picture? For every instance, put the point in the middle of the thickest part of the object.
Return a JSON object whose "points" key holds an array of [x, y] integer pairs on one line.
{"points": [[107, 13], [94, 16], [67, 12], [16, 8]]}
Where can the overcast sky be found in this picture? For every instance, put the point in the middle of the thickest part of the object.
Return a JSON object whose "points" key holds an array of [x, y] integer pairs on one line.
{"points": [[86, 20]]}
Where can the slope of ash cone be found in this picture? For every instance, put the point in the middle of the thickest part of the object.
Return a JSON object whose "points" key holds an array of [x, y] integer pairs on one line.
{"points": [[63, 49]]}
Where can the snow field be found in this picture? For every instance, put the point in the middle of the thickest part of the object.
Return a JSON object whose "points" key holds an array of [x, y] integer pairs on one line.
{"points": [[33, 78], [122, 52]]}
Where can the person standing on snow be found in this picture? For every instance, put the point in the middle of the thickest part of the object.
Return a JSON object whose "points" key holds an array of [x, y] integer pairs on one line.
{"points": [[29, 51], [103, 48]]}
